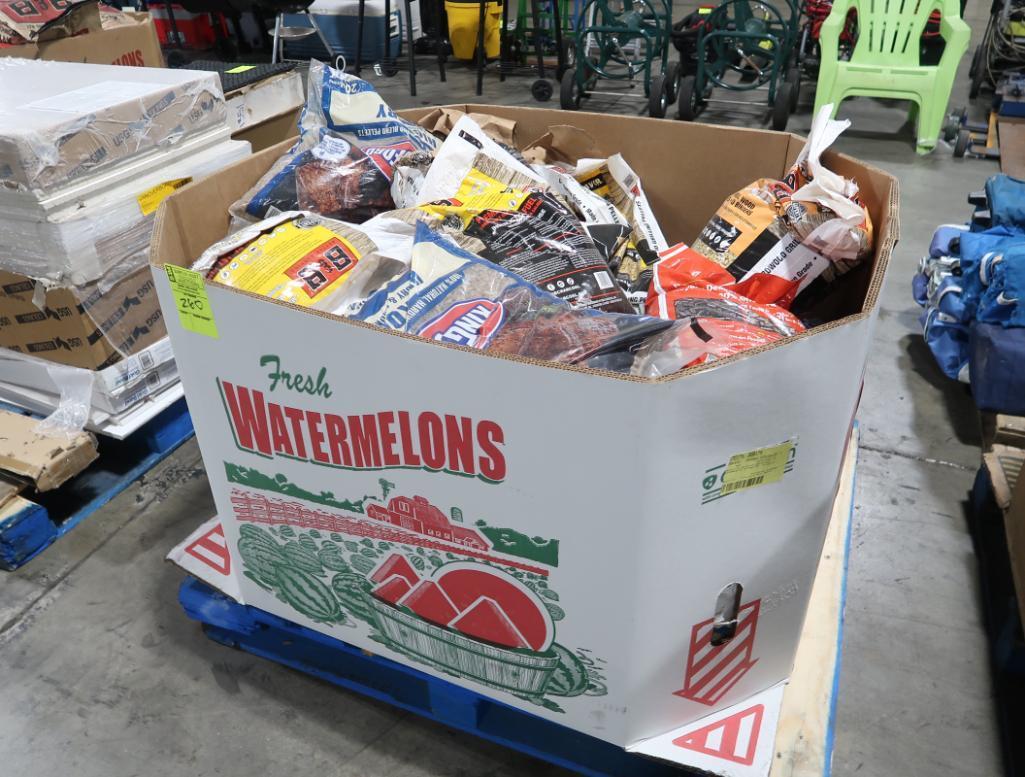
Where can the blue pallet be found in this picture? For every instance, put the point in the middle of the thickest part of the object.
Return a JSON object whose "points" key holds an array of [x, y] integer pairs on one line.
{"points": [[268, 636], [27, 533]]}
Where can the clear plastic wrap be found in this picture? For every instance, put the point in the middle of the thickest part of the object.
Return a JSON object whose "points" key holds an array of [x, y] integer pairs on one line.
{"points": [[61, 122]]}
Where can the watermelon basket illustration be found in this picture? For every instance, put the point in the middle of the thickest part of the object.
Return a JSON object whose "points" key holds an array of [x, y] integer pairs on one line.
{"points": [[469, 619], [515, 670]]}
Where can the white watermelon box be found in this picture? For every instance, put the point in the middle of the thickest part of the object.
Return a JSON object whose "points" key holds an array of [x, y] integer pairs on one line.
{"points": [[554, 537]]}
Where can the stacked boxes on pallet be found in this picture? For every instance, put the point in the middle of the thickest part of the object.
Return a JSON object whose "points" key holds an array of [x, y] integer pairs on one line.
{"points": [[87, 152]]}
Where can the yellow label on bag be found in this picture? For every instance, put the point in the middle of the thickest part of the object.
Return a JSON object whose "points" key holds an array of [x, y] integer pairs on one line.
{"points": [[292, 263], [756, 468], [190, 298], [478, 192], [150, 199], [240, 68]]}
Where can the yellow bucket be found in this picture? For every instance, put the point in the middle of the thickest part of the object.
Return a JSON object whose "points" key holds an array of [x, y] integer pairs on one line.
{"points": [[463, 23]]}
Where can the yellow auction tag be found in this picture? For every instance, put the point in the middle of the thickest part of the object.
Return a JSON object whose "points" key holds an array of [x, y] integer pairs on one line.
{"points": [[190, 298], [756, 468], [150, 199], [240, 68]]}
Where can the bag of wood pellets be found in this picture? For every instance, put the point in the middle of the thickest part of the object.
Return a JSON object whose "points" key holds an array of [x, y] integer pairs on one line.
{"points": [[453, 296], [806, 226], [308, 260]]}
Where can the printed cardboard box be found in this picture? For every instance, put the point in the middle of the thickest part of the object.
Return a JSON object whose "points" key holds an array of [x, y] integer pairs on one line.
{"points": [[134, 44], [88, 326], [558, 538]]}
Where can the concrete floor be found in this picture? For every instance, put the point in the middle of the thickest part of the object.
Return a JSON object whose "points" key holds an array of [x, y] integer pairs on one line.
{"points": [[101, 673]]}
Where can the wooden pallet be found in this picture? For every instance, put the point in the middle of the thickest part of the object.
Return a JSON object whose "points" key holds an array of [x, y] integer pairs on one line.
{"points": [[34, 519], [804, 738]]}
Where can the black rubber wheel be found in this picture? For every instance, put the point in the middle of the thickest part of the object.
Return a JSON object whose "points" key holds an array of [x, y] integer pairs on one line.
{"points": [[389, 69], [978, 71], [794, 79], [569, 92], [689, 99], [567, 58], [542, 90], [658, 97], [964, 137], [673, 80], [781, 107]]}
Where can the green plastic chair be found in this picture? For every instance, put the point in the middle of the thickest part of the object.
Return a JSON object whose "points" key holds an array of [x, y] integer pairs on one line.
{"points": [[885, 59]]}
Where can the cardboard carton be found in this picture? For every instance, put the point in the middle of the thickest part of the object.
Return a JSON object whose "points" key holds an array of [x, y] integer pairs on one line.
{"points": [[89, 326], [559, 538], [135, 44]]}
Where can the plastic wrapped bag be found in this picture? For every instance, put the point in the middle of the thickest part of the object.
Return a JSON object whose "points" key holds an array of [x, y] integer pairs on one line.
{"points": [[516, 222], [806, 226], [453, 296], [713, 319], [630, 261], [307, 260], [350, 106], [323, 173]]}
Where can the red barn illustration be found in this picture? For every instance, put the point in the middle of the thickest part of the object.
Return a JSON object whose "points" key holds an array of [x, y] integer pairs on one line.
{"points": [[416, 514]]}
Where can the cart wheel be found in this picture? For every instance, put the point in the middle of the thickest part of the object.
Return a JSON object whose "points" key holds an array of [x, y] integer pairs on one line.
{"points": [[175, 58], [542, 90], [569, 92], [658, 97], [978, 71], [567, 58], [781, 107], [673, 80], [389, 69], [964, 139], [689, 99], [794, 79]]}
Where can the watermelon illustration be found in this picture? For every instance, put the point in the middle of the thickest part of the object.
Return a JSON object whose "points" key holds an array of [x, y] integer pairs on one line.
{"points": [[429, 602], [256, 534], [302, 558], [349, 588], [486, 621], [308, 542], [392, 589], [332, 559], [395, 564], [465, 583], [308, 595], [361, 563], [260, 558], [570, 676]]}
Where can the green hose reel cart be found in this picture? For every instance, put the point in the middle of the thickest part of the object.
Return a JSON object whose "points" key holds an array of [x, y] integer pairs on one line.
{"points": [[624, 41], [744, 46]]}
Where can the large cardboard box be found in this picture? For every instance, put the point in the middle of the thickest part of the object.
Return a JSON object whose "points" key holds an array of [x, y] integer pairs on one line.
{"points": [[134, 44], [556, 537], [92, 326]]}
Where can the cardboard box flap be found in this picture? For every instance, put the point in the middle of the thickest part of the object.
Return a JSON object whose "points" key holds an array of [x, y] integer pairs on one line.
{"points": [[735, 742], [205, 555], [48, 459]]}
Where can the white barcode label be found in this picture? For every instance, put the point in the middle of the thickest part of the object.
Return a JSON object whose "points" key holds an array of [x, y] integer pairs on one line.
{"points": [[604, 279]]}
